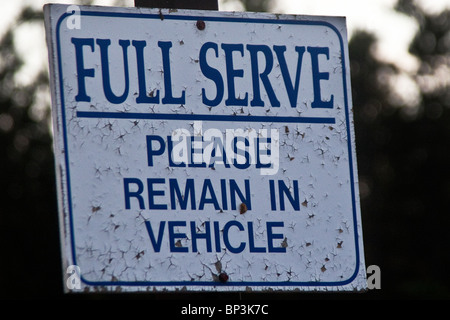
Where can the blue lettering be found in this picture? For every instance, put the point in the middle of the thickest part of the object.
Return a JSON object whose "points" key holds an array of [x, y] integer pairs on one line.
{"points": [[223, 186], [271, 236], [284, 190], [206, 236], [263, 151], [234, 189], [135, 194], [170, 154], [189, 193], [212, 74], [217, 235], [174, 247], [156, 243], [81, 71], [273, 203], [317, 76], [168, 95], [154, 152], [143, 97], [152, 193], [180, 197], [217, 144], [232, 73], [241, 152], [261, 59], [104, 44], [265, 50], [226, 239], [251, 240], [174, 235], [196, 153], [208, 188], [292, 90]]}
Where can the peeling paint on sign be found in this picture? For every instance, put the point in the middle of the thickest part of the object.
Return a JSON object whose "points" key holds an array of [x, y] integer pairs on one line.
{"points": [[205, 150]]}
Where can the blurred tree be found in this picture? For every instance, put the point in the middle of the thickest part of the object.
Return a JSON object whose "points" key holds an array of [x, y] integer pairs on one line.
{"points": [[28, 216], [373, 133], [403, 155], [423, 155]]}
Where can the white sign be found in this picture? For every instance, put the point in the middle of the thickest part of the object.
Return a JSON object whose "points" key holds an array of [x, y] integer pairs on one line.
{"points": [[204, 150]]}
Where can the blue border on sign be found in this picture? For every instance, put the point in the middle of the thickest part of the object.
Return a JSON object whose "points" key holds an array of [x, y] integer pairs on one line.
{"points": [[117, 115]]}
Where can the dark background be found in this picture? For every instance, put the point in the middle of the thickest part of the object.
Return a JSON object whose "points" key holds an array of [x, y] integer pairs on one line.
{"points": [[403, 153]]}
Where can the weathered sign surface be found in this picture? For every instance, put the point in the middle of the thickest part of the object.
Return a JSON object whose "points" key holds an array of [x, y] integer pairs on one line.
{"points": [[204, 150]]}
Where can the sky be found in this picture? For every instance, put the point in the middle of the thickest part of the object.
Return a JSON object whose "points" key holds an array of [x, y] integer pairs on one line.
{"points": [[394, 30]]}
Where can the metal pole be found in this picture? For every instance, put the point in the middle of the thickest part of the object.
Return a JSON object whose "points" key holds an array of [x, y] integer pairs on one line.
{"points": [[179, 4]]}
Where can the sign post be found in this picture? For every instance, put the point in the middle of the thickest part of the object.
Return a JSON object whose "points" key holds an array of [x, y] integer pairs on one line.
{"points": [[179, 4], [204, 150]]}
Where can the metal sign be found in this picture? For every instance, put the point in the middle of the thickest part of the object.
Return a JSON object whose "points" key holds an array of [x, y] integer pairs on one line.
{"points": [[204, 150]]}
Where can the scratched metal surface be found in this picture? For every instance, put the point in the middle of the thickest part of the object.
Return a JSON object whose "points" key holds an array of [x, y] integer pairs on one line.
{"points": [[111, 244]]}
